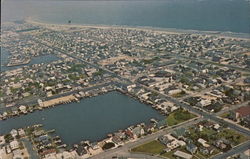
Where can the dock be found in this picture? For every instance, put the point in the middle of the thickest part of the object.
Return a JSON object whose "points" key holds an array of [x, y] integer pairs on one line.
{"points": [[60, 100]]}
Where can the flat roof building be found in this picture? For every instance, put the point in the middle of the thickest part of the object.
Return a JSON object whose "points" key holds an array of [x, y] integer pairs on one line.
{"points": [[183, 155]]}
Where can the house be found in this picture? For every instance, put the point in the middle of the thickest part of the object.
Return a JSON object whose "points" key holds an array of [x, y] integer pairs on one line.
{"points": [[162, 124], [216, 127], [138, 131], [203, 142], [44, 139], [13, 132], [204, 102], [241, 113], [245, 154], [94, 145], [38, 132], [81, 150], [220, 144], [120, 135], [149, 128], [129, 134], [183, 155], [173, 142], [206, 150], [175, 91], [14, 145], [48, 152], [21, 132], [22, 108], [117, 140], [164, 140], [192, 148], [2, 140], [179, 133]]}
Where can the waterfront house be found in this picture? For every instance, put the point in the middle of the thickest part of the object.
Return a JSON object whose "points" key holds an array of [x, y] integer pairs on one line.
{"points": [[21, 132], [138, 131], [149, 128], [94, 145], [14, 133], [38, 132], [81, 150], [120, 135], [129, 134], [22, 108], [44, 139], [162, 124], [116, 140]]}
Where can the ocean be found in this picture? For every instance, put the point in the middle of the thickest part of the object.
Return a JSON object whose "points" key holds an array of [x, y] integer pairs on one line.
{"points": [[204, 15]]}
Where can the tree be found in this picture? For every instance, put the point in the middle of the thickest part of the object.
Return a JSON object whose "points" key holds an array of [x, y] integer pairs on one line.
{"points": [[8, 138], [108, 145]]}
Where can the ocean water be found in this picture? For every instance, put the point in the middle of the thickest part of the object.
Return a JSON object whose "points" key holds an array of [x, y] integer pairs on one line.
{"points": [[206, 15]]}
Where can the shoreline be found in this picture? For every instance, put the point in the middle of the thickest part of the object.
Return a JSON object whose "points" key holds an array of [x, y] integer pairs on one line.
{"points": [[225, 34]]}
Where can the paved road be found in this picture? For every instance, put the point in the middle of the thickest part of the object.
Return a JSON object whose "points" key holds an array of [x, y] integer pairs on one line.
{"points": [[233, 107], [140, 156], [125, 148], [84, 61], [33, 154], [213, 63], [241, 148], [204, 114]]}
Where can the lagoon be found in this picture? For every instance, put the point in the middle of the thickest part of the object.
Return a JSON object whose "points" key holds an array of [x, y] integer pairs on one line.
{"points": [[34, 60], [91, 119]]}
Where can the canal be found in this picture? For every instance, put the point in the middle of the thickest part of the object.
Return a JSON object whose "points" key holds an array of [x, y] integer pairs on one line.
{"points": [[34, 60], [90, 119]]}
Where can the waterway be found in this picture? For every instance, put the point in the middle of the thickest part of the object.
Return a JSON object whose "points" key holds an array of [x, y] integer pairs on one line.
{"points": [[91, 119], [34, 60]]}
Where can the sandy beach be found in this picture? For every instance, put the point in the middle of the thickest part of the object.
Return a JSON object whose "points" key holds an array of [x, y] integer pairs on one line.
{"points": [[242, 36]]}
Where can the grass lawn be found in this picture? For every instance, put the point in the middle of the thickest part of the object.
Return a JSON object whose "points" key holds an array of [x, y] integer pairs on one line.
{"points": [[153, 147], [169, 155], [179, 116], [224, 115], [234, 137], [198, 154]]}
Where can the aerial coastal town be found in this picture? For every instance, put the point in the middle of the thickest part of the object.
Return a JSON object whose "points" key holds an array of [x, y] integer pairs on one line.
{"points": [[199, 82]]}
